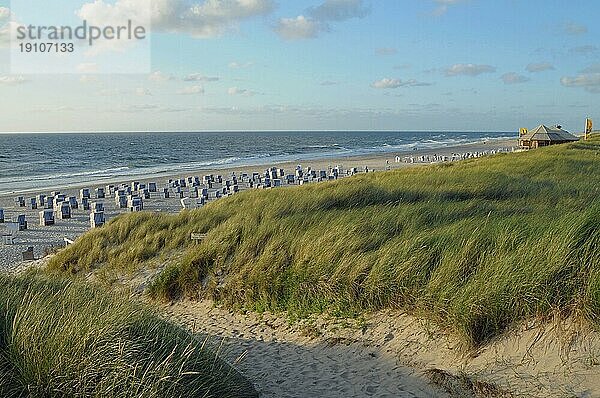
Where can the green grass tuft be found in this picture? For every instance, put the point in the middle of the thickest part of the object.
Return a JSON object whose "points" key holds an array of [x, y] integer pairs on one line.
{"points": [[67, 339]]}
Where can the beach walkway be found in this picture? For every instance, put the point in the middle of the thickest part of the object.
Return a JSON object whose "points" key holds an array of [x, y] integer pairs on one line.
{"points": [[286, 361]]}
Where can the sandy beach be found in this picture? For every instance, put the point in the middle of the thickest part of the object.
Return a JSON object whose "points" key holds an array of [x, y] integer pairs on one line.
{"points": [[45, 239]]}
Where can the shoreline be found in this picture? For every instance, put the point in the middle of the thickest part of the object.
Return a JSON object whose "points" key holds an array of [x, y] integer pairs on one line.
{"points": [[375, 161]]}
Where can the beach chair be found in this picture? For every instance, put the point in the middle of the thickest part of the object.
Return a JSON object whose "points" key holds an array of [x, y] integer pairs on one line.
{"points": [[63, 211], [73, 202], [8, 239], [22, 222], [11, 227], [46, 217], [28, 254], [97, 219], [1, 216], [84, 193]]}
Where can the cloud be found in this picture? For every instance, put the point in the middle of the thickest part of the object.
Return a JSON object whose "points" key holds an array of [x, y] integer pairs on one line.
{"points": [[240, 91], [198, 19], [539, 67], [468, 70], [590, 82], [383, 51], [103, 13], [298, 28], [443, 5], [338, 10], [87, 68], [151, 108], [159, 76], [584, 50], [88, 79], [113, 92], [514, 78], [316, 20], [10, 80], [574, 29], [5, 27], [142, 92], [592, 69], [198, 77], [192, 90], [402, 66], [240, 65], [388, 83], [329, 83]]}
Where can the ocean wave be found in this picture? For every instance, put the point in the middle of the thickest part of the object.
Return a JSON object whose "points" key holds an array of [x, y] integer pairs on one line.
{"points": [[49, 177]]}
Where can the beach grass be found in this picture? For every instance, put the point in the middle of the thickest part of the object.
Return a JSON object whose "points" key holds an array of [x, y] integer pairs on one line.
{"points": [[475, 246], [62, 338]]}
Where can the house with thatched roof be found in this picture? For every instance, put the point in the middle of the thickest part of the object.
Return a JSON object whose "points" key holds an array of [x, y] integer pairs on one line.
{"points": [[544, 136]]}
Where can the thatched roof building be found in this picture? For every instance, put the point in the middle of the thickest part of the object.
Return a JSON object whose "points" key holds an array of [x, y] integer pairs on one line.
{"points": [[544, 136]]}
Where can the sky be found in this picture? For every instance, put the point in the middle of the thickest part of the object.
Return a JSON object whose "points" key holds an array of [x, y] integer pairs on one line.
{"points": [[405, 65]]}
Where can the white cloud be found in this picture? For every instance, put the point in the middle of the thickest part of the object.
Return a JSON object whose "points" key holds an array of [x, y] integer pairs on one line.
{"points": [[11, 80], [572, 28], [198, 77], [101, 13], [240, 91], [159, 76], [338, 10], [192, 90], [240, 65], [539, 67], [329, 83], [592, 69], [514, 78], [151, 108], [584, 50], [383, 51], [468, 70], [142, 92], [87, 68], [316, 20], [443, 5], [112, 92], [199, 19], [88, 79], [388, 83], [590, 82], [298, 28], [5, 27]]}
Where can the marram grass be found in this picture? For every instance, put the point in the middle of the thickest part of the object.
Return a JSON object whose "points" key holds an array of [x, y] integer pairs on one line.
{"points": [[68, 339], [475, 245]]}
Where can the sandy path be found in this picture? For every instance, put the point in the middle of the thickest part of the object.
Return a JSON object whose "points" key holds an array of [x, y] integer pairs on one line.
{"points": [[388, 354], [283, 361]]}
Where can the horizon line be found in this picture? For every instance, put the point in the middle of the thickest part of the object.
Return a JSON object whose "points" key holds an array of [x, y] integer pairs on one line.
{"points": [[254, 131]]}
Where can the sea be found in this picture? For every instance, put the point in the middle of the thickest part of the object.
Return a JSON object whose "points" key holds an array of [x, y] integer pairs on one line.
{"points": [[40, 161]]}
